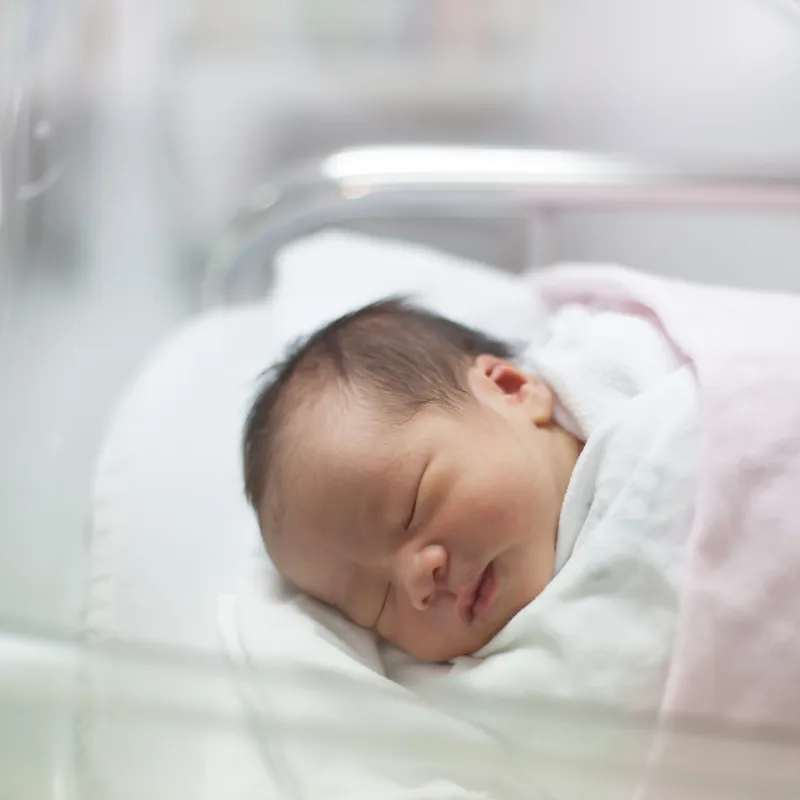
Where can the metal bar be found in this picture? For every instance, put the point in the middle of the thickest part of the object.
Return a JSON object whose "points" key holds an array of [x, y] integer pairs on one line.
{"points": [[470, 182]]}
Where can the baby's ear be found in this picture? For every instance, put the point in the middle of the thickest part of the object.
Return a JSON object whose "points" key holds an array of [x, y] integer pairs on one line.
{"points": [[499, 380]]}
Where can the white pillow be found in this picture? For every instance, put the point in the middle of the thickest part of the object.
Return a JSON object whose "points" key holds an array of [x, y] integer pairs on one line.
{"points": [[170, 528], [334, 272]]}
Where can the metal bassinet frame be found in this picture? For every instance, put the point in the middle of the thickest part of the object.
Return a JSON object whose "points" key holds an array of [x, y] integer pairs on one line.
{"points": [[469, 182]]}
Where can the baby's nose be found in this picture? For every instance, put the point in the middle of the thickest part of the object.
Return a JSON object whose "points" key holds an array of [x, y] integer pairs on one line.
{"points": [[424, 574]]}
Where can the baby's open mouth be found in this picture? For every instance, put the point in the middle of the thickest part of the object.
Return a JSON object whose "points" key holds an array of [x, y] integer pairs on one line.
{"points": [[477, 599]]}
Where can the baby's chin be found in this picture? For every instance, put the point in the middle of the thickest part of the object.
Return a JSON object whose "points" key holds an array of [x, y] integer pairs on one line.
{"points": [[444, 652], [498, 624]]}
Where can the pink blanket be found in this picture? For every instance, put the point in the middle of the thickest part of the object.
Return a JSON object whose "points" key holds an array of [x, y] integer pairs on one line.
{"points": [[737, 651]]}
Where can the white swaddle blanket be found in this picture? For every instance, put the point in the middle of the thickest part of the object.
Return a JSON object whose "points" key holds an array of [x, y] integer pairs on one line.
{"points": [[352, 719]]}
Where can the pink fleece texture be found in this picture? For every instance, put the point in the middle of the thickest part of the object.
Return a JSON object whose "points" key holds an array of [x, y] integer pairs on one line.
{"points": [[737, 650]]}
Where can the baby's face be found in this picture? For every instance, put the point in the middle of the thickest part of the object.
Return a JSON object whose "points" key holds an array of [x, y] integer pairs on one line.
{"points": [[433, 532]]}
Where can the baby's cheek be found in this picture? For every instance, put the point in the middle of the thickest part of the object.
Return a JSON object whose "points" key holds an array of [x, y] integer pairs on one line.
{"points": [[495, 508], [399, 619]]}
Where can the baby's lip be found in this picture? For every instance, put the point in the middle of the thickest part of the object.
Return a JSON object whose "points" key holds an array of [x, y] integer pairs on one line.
{"points": [[466, 598]]}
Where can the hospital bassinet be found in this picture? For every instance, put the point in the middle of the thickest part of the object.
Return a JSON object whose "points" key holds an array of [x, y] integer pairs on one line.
{"points": [[141, 704]]}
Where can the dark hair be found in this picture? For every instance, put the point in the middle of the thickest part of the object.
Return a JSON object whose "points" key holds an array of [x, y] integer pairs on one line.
{"points": [[405, 355]]}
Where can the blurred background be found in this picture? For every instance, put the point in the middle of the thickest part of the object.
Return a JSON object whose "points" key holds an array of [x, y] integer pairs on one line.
{"points": [[130, 131]]}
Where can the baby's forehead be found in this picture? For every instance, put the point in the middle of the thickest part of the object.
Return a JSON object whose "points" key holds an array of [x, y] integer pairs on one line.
{"points": [[334, 448], [338, 422]]}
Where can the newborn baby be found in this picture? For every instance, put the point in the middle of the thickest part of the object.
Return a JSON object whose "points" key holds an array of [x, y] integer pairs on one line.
{"points": [[407, 472]]}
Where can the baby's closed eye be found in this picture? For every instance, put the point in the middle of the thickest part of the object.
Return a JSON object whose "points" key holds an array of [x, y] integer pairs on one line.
{"points": [[384, 605], [414, 505]]}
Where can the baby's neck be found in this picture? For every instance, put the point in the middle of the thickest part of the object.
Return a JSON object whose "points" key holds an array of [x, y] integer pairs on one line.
{"points": [[565, 449]]}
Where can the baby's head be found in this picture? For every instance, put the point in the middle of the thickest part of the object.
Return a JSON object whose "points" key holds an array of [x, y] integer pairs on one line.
{"points": [[407, 472]]}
